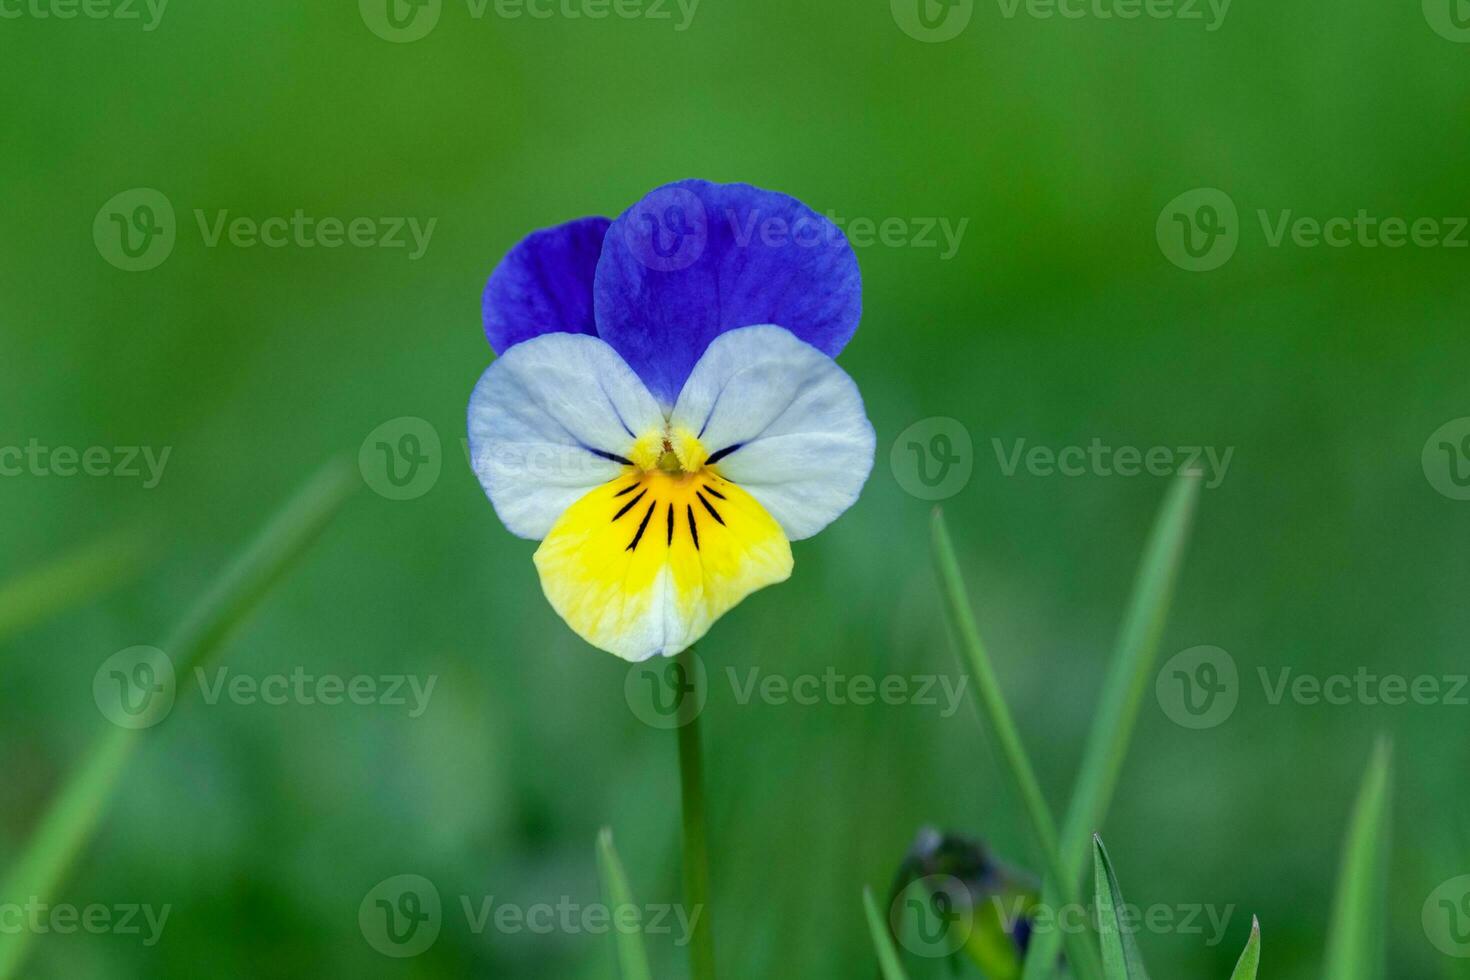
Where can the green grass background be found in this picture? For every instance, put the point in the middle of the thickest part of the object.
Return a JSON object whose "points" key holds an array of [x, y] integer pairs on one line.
{"points": [[1058, 321]]}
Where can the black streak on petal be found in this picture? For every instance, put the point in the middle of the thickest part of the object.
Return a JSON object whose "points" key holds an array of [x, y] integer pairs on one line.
{"points": [[614, 457], [627, 489], [693, 527], [641, 528], [629, 505], [720, 454], [709, 507], [713, 492], [671, 523]]}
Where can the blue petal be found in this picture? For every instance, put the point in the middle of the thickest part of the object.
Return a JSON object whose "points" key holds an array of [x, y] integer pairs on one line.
{"points": [[694, 259], [545, 284]]}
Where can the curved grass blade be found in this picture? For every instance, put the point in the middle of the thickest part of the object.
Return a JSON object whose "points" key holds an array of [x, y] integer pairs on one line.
{"points": [[1123, 694], [1250, 960], [996, 716], [32, 596], [1355, 940], [1120, 955], [888, 963], [632, 957], [72, 817]]}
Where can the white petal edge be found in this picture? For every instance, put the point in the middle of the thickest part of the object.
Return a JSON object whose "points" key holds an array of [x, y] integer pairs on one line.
{"points": [[806, 445], [537, 414]]}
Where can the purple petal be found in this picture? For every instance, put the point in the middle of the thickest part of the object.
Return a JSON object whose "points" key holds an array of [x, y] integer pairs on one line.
{"points": [[544, 285], [694, 259]]}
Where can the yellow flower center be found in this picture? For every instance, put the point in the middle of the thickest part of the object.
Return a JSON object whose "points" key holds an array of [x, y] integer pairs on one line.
{"points": [[673, 450]]}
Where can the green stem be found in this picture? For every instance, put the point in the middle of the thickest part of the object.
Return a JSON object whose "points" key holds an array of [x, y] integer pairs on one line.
{"points": [[696, 849]]}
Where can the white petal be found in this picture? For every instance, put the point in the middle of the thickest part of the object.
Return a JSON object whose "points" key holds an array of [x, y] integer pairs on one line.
{"points": [[806, 445], [540, 415]]}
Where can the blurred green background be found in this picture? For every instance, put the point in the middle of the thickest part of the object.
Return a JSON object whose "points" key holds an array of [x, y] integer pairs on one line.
{"points": [[1058, 320]]}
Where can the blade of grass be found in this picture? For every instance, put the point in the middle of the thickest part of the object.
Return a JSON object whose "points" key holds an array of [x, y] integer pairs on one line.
{"points": [[1120, 955], [996, 716], [32, 596], [1250, 960], [888, 963], [1355, 940], [1123, 694], [632, 957], [72, 817]]}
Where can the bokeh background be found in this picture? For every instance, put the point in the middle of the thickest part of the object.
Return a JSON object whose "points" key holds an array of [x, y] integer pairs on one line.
{"points": [[1059, 319]]}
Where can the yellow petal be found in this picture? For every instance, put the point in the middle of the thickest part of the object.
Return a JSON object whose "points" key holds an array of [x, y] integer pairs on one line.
{"points": [[645, 564]]}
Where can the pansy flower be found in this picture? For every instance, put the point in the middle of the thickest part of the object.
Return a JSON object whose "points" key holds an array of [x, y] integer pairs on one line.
{"points": [[665, 415]]}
